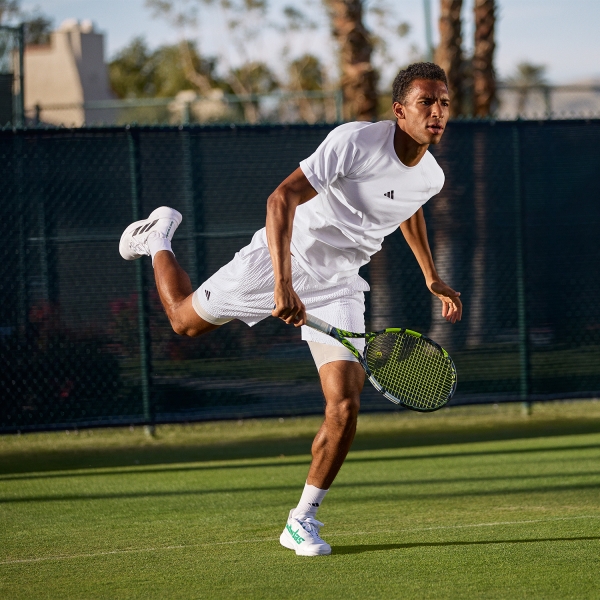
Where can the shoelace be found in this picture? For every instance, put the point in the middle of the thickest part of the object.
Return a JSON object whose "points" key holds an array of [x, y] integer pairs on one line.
{"points": [[312, 526], [141, 246]]}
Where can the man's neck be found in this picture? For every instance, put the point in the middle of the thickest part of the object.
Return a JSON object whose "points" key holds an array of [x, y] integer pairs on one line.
{"points": [[407, 149]]}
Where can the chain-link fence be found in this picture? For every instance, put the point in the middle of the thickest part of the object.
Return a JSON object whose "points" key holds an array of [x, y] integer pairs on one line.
{"points": [[544, 101], [189, 107], [307, 107], [84, 341]]}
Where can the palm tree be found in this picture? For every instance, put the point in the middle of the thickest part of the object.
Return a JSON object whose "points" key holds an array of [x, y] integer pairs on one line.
{"points": [[306, 75], [8, 9], [484, 77], [526, 77], [484, 96], [449, 52], [359, 78], [479, 258], [445, 231]]}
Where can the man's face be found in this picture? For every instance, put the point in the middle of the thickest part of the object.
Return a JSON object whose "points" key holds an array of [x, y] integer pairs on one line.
{"points": [[425, 111]]}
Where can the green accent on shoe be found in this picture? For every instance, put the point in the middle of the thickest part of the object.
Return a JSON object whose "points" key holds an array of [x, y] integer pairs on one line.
{"points": [[295, 536]]}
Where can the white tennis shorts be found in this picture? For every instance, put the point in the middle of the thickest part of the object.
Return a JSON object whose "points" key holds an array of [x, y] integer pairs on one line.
{"points": [[243, 289]]}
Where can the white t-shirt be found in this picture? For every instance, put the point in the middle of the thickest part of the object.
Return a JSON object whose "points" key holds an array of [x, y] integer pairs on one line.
{"points": [[364, 193]]}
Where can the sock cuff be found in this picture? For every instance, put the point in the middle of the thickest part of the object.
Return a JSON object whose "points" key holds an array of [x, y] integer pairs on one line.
{"points": [[314, 489], [158, 243], [312, 497]]}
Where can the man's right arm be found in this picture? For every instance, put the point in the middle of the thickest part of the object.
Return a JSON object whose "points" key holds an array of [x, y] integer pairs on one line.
{"points": [[281, 208]]}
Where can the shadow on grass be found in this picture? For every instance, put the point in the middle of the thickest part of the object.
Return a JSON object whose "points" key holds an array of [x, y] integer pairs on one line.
{"points": [[397, 496], [155, 453], [144, 470], [360, 548]]}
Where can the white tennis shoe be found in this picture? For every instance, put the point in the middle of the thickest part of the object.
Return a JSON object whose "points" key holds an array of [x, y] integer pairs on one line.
{"points": [[302, 536], [134, 241]]}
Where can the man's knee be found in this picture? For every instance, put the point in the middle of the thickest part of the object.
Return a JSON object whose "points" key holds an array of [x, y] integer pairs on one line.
{"points": [[343, 410], [182, 328], [186, 321], [342, 383]]}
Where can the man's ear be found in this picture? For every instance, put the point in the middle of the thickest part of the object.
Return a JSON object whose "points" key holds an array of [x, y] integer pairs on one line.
{"points": [[398, 110]]}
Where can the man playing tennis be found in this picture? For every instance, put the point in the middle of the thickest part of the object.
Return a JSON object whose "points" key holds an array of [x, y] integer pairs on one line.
{"points": [[323, 223]]}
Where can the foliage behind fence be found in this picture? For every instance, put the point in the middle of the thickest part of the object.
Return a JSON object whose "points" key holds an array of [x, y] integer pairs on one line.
{"points": [[84, 341], [307, 107]]}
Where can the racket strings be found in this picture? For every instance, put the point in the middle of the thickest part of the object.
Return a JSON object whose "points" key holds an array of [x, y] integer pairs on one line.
{"points": [[411, 369]]}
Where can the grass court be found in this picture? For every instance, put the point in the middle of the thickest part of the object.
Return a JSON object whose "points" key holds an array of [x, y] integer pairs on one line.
{"points": [[472, 502]]}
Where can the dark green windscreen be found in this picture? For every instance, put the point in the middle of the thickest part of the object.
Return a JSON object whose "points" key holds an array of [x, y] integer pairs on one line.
{"points": [[514, 230]]}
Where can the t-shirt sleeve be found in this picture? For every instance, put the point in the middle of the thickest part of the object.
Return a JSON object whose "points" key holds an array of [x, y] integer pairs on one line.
{"points": [[438, 183], [435, 175], [332, 159]]}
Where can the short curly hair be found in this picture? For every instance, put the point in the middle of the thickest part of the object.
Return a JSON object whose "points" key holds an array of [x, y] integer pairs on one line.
{"points": [[423, 70]]}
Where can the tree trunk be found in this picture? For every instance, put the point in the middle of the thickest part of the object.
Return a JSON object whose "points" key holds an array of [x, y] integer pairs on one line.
{"points": [[445, 234], [484, 94], [359, 78], [446, 224], [484, 77], [449, 52], [445, 254], [383, 302], [480, 293]]}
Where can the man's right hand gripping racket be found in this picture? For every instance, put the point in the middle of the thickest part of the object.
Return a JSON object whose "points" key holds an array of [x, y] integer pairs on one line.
{"points": [[403, 365]]}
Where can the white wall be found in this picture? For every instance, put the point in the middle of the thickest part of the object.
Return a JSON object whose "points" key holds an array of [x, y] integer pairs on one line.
{"points": [[68, 71]]}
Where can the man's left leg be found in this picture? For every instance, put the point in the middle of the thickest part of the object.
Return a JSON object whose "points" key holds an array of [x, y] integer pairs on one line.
{"points": [[342, 382]]}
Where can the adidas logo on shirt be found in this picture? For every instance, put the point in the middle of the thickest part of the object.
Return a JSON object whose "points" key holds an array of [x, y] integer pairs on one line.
{"points": [[389, 194], [207, 294]]}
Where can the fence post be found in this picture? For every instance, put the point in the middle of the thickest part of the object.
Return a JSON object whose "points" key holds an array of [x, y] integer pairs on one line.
{"points": [[547, 101], [23, 287], [524, 351], [185, 118], [143, 324], [428, 31], [339, 106], [18, 100]]}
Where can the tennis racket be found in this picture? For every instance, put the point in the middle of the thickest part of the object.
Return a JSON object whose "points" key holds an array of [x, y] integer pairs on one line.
{"points": [[403, 365]]}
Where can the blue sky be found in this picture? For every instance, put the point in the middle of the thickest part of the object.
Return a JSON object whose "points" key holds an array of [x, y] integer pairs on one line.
{"points": [[562, 34]]}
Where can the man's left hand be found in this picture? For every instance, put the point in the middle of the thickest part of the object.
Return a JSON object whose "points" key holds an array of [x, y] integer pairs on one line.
{"points": [[451, 304]]}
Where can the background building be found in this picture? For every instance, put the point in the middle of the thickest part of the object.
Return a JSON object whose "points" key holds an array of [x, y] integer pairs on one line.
{"points": [[65, 74]]}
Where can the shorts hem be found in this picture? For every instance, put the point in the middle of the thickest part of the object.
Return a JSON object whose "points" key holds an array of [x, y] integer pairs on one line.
{"points": [[324, 353], [204, 314]]}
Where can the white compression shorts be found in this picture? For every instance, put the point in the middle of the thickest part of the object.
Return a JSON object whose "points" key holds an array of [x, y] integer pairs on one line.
{"points": [[243, 289], [324, 353]]}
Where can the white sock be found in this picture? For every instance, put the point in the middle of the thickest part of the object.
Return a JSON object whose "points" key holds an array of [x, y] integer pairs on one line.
{"points": [[158, 242], [311, 499]]}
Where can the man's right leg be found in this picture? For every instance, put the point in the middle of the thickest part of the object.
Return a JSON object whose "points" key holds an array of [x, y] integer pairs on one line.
{"points": [[175, 292], [152, 237]]}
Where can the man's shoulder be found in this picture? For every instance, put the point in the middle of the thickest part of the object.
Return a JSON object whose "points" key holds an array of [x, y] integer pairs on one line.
{"points": [[433, 171], [430, 162], [362, 132]]}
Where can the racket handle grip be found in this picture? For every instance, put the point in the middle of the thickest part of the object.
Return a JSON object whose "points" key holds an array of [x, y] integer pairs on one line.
{"points": [[318, 324]]}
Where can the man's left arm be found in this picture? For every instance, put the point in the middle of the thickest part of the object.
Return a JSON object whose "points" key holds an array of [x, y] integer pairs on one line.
{"points": [[415, 234]]}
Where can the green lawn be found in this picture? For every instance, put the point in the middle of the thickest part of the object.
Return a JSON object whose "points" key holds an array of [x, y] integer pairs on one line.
{"points": [[474, 502]]}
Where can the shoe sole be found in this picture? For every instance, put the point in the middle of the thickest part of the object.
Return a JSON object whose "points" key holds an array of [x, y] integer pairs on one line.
{"points": [[163, 212]]}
